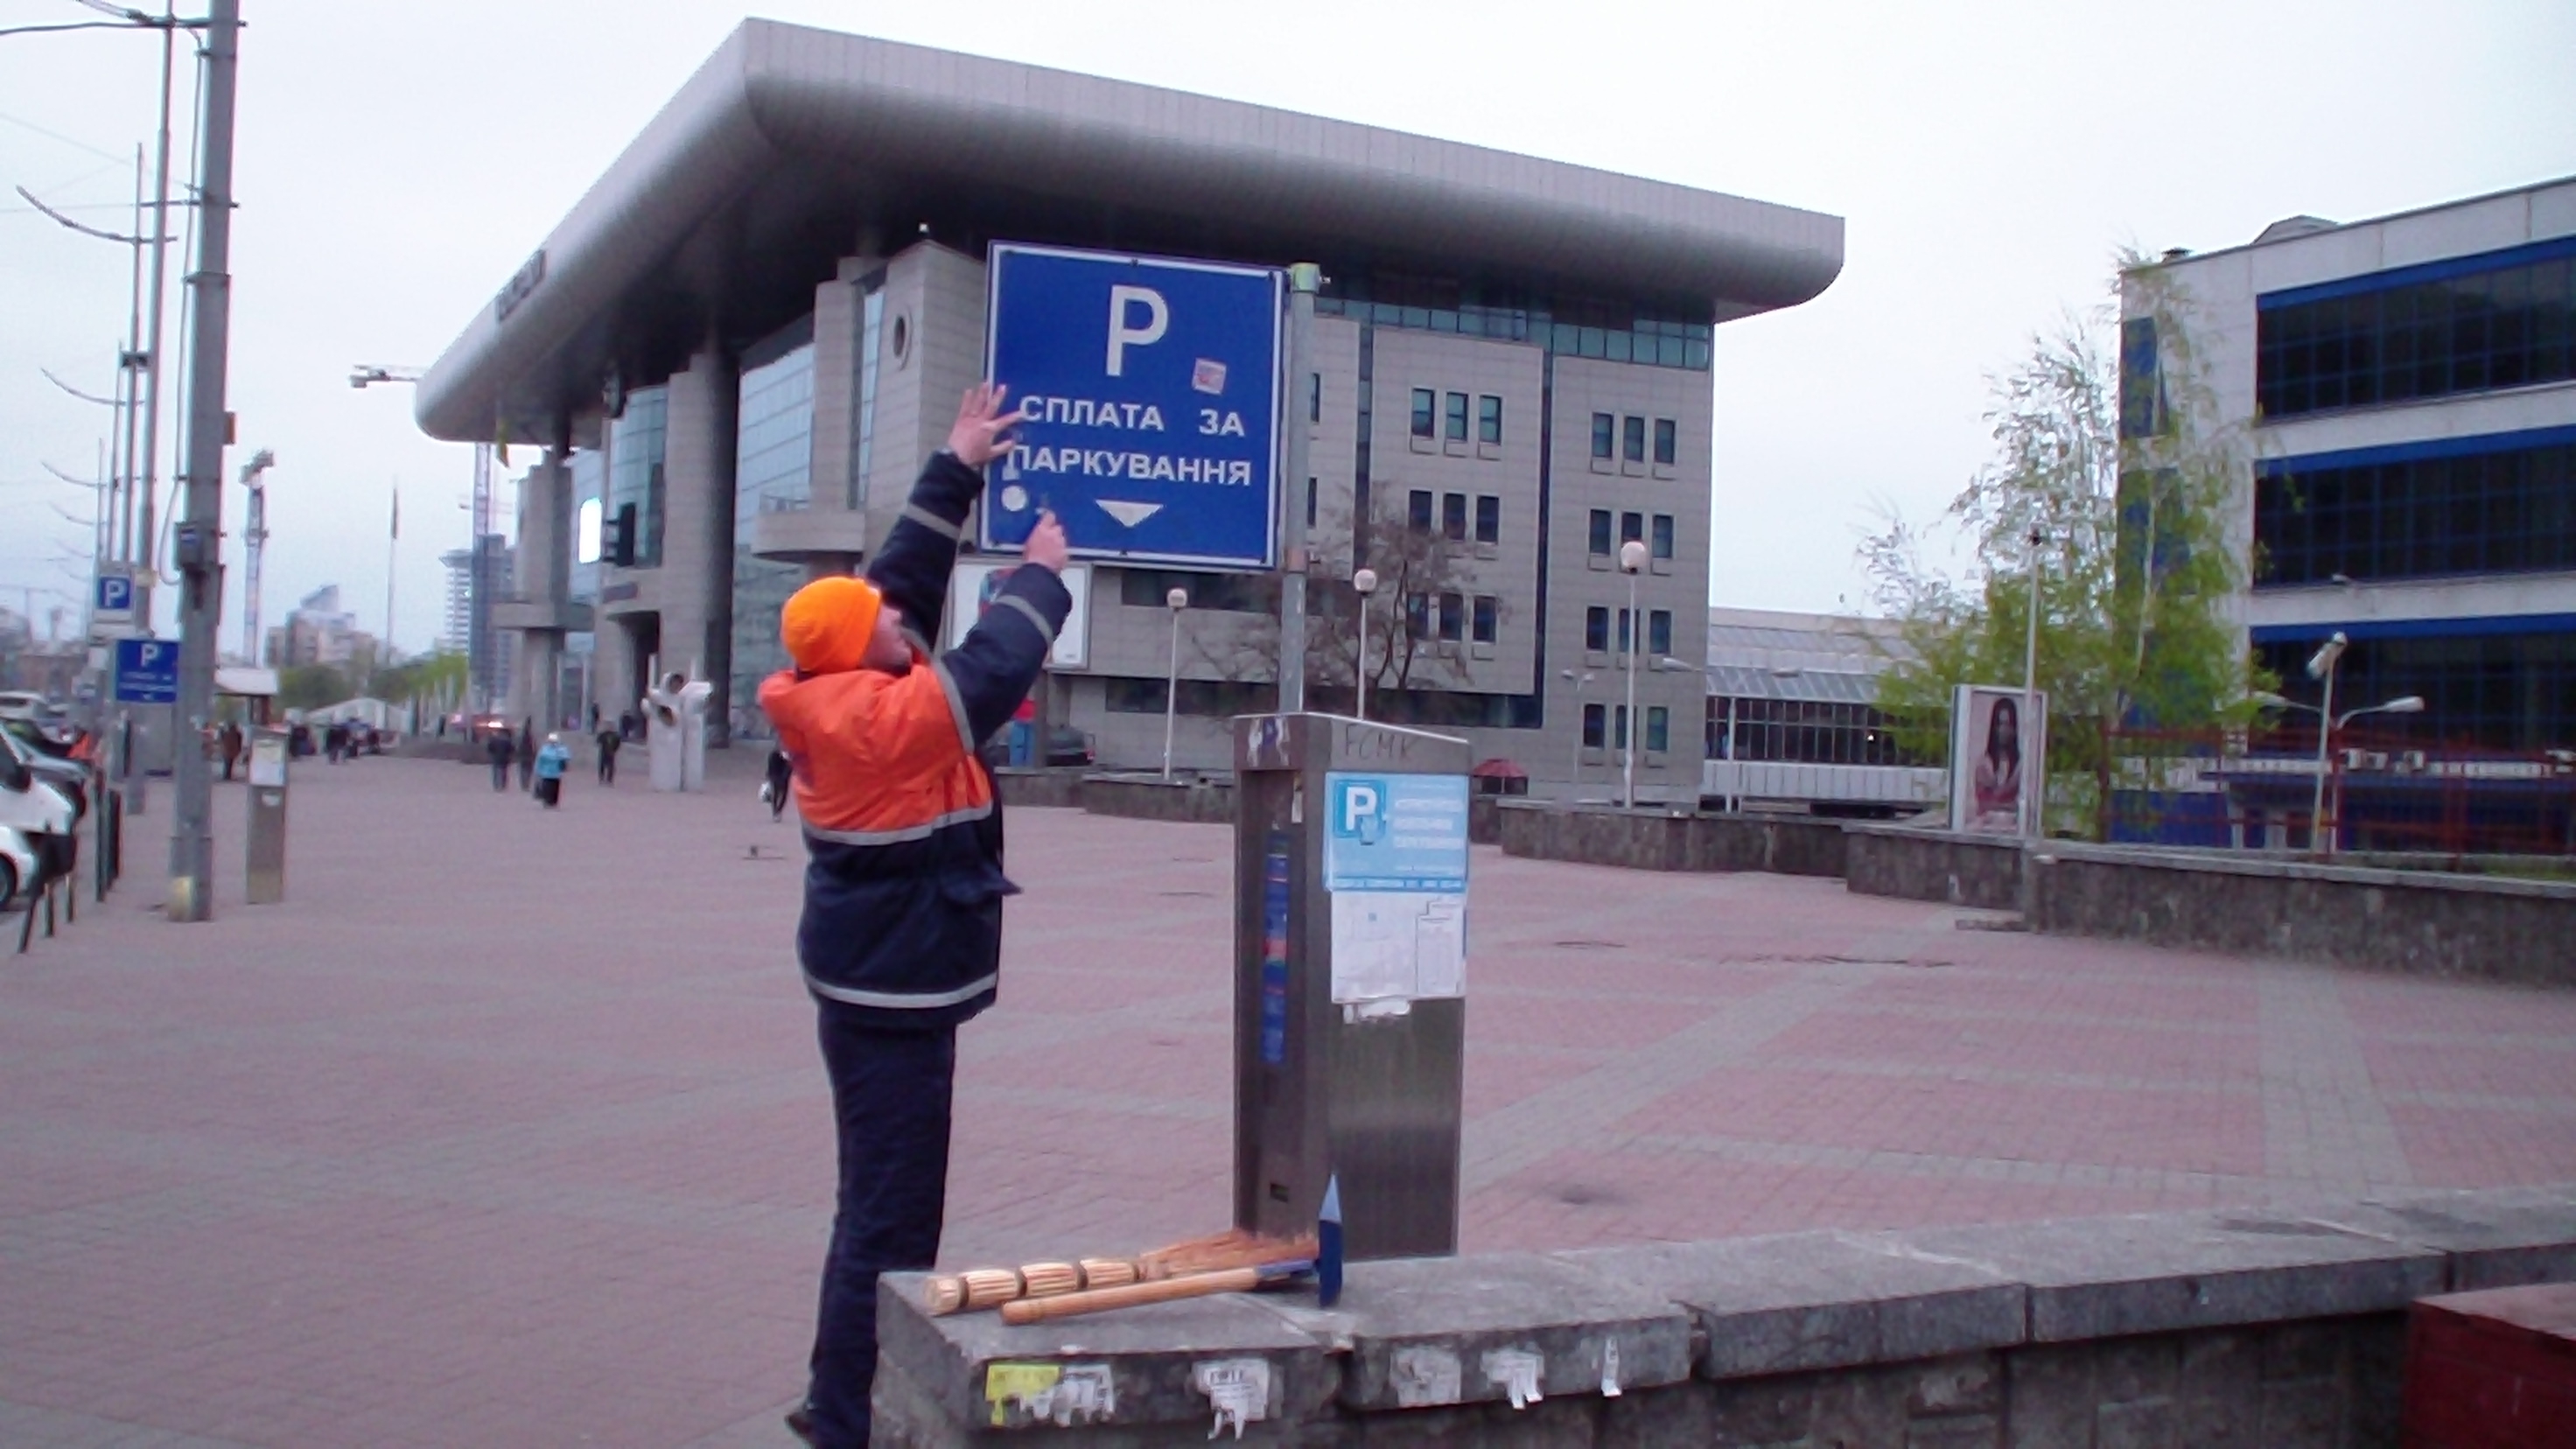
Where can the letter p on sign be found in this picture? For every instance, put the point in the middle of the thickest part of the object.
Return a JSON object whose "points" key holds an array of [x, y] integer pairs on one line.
{"points": [[1122, 302]]}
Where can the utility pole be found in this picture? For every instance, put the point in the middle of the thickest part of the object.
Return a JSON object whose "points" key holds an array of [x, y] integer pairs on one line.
{"points": [[254, 548], [199, 541], [147, 540]]}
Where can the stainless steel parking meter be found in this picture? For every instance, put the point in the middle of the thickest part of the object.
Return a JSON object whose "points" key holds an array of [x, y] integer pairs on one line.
{"points": [[266, 850], [1350, 1008]]}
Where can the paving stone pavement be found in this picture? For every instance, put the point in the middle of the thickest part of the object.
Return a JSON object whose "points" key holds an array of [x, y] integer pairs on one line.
{"points": [[508, 1126]]}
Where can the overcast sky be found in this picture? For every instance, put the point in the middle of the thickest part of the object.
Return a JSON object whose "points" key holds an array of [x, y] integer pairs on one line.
{"points": [[397, 162]]}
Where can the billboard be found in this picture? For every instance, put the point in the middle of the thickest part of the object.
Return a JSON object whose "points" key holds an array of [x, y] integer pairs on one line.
{"points": [[1997, 758]]}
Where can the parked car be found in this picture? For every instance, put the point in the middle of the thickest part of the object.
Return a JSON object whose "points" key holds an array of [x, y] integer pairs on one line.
{"points": [[19, 868], [41, 820], [1068, 746], [70, 778]]}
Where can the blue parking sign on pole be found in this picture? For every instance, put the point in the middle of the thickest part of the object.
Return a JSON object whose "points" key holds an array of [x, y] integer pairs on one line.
{"points": [[1151, 391], [115, 594], [147, 671]]}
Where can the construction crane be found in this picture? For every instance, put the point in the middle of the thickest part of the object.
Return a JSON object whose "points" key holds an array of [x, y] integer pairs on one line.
{"points": [[254, 543]]}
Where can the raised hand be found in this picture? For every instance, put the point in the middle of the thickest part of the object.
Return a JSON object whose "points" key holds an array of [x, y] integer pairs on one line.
{"points": [[982, 430]]}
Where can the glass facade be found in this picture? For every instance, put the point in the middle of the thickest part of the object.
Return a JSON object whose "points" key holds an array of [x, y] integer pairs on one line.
{"points": [[2470, 324], [1808, 731], [589, 502], [1569, 326], [635, 442], [2500, 504], [2499, 690], [773, 473], [863, 431]]}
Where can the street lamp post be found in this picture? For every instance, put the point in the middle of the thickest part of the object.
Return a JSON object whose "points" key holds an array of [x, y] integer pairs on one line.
{"points": [[1178, 599], [1363, 583], [2328, 723], [2322, 667], [1632, 561], [1575, 788]]}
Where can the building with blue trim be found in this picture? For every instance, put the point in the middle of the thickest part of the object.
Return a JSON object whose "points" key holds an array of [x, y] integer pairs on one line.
{"points": [[2410, 387]]}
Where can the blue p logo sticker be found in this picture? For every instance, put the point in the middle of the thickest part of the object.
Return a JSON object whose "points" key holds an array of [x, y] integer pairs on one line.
{"points": [[1358, 810]]}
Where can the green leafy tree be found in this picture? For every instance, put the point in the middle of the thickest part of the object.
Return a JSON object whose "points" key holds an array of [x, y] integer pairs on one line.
{"points": [[311, 686], [2111, 488]]}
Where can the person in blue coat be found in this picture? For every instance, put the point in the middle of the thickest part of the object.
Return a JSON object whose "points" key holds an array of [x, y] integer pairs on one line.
{"points": [[552, 757]]}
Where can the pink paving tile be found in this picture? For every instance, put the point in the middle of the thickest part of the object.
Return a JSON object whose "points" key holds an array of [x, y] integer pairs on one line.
{"points": [[1932, 1046], [2470, 1148], [2175, 1131]]}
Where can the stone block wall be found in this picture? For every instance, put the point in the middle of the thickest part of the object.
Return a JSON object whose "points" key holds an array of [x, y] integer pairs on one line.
{"points": [[2278, 1329], [1647, 839], [1934, 865], [1201, 800]]}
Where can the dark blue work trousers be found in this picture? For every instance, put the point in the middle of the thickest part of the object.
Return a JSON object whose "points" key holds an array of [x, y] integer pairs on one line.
{"points": [[890, 1099]]}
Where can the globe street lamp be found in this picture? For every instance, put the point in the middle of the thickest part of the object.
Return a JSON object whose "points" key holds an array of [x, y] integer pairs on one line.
{"points": [[1178, 599], [1632, 561], [1364, 583]]}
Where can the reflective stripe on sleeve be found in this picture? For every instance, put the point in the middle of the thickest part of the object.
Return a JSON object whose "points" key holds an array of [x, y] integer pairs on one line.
{"points": [[1045, 629], [932, 521], [956, 704]]}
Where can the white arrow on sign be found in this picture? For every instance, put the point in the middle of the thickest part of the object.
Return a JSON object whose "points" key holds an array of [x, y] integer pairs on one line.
{"points": [[1129, 514]]}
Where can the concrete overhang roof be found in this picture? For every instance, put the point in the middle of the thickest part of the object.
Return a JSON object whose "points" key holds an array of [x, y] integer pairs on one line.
{"points": [[760, 173]]}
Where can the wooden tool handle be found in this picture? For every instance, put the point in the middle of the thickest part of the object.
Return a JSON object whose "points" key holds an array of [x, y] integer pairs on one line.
{"points": [[1195, 1285]]}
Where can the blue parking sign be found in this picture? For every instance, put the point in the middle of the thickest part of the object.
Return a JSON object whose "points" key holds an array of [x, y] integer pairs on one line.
{"points": [[147, 671], [1151, 391], [115, 594]]}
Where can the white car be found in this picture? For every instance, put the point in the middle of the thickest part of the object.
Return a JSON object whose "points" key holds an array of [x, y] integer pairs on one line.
{"points": [[37, 820], [18, 867]]}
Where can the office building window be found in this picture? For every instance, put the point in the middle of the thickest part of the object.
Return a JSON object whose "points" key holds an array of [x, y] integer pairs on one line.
{"points": [[2469, 324], [1806, 731], [1488, 618], [1489, 419], [1619, 728], [1457, 431], [1596, 726], [1659, 728], [1233, 593], [1310, 503], [2488, 505], [635, 443], [1605, 429], [1667, 441], [1453, 516], [1624, 631], [1662, 544], [1596, 630], [1218, 698], [1453, 617], [1417, 513], [1600, 542], [1632, 439], [1489, 518], [1423, 402], [1659, 632], [1314, 397], [1632, 527], [1613, 329], [2489, 691]]}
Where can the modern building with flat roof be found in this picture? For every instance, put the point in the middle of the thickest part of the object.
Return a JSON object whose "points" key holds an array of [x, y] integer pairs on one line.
{"points": [[2410, 386], [738, 346]]}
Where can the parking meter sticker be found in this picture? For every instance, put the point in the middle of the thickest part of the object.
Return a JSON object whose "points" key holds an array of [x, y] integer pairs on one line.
{"points": [[1274, 951], [1395, 832]]}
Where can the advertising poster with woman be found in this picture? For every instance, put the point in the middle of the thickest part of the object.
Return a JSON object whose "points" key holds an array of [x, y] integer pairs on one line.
{"points": [[1995, 756]]}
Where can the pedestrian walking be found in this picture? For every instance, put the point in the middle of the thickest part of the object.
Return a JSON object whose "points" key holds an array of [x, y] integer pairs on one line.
{"points": [[608, 743], [498, 747], [228, 740], [552, 757], [901, 936], [335, 741], [527, 754], [781, 771]]}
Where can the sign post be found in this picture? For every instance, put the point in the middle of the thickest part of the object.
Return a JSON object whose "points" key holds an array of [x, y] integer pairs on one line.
{"points": [[111, 603], [1151, 392]]}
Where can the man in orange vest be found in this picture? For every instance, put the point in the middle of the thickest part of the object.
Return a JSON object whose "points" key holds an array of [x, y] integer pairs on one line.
{"points": [[901, 937]]}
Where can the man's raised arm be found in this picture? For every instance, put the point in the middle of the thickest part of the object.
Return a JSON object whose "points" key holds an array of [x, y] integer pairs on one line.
{"points": [[920, 551]]}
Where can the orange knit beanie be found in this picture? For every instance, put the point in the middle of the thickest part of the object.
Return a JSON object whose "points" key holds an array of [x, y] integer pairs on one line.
{"points": [[826, 624]]}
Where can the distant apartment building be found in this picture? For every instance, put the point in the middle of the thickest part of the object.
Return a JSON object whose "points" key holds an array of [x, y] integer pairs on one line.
{"points": [[319, 631]]}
